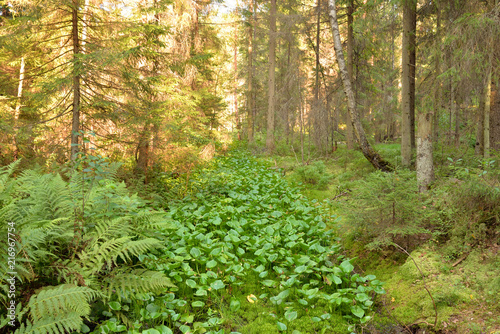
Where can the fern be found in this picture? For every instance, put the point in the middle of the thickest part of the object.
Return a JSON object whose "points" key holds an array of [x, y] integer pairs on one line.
{"points": [[112, 229], [55, 301], [65, 323], [137, 281], [58, 309]]}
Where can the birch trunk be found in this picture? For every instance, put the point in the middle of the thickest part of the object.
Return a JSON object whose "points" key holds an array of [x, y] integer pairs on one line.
{"points": [[370, 154]]}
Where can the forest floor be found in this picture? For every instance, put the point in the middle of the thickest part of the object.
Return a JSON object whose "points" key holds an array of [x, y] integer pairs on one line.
{"points": [[428, 291]]}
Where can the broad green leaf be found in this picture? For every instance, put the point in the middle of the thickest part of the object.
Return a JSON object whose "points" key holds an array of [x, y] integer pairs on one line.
{"points": [[197, 303], [217, 285], [357, 311], [290, 315], [281, 326], [268, 282], [115, 306], [195, 252], [164, 329], [211, 264], [346, 266], [191, 283], [300, 269], [361, 297], [234, 305]]}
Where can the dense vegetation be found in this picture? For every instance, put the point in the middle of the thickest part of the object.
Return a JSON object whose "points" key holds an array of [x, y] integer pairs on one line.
{"points": [[249, 166]]}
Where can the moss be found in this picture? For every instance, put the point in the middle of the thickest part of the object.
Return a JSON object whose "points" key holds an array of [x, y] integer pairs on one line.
{"points": [[427, 262]]}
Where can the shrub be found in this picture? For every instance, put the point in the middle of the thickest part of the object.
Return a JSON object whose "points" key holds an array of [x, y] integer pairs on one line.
{"points": [[386, 208], [314, 174]]}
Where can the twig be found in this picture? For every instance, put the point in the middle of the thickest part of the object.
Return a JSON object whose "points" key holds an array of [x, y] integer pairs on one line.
{"points": [[460, 260], [423, 280]]}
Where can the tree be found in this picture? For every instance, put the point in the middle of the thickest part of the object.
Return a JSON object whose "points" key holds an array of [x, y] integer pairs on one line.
{"points": [[370, 154], [250, 98], [271, 108], [350, 70], [425, 164], [408, 80]]}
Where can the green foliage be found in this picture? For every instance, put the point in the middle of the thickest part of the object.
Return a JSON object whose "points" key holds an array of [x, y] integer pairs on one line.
{"points": [[77, 241], [471, 200], [386, 207], [241, 235], [314, 174]]}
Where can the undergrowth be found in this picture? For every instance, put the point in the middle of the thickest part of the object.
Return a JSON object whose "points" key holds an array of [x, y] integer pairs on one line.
{"points": [[92, 257]]}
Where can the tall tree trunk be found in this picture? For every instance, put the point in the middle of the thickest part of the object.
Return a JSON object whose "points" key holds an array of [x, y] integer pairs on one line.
{"points": [[370, 154], [486, 117], [453, 110], [271, 109], [494, 118], [425, 165], [75, 125], [250, 99], [350, 64], [437, 70], [17, 111], [479, 148], [235, 68], [408, 81], [142, 151]]}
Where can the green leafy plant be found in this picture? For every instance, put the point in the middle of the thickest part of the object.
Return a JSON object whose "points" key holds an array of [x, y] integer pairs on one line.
{"points": [[76, 241], [314, 174]]}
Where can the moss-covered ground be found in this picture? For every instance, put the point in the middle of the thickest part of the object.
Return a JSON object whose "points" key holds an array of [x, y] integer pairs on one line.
{"points": [[461, 288]]}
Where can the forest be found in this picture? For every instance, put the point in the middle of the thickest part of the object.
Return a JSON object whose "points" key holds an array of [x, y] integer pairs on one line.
{"points": [[249, 166]]}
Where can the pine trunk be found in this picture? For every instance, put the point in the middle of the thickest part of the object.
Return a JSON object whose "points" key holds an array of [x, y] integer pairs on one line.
{"points": [[425, 165], [75, 125], [250, 99], [408, 82], [494, 117], [271, 82], [350, 64]]}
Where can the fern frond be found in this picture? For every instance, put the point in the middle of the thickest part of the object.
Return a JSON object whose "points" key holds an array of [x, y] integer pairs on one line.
{"points": [[101, 253], [112, 228], [153, 221], [137, 281], [138, 247], [5, 173], [64, 323], [60, 300]]}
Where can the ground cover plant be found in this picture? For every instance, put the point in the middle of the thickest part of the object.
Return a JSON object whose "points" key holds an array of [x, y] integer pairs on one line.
{"points": [[242, 252], [243, 238]]}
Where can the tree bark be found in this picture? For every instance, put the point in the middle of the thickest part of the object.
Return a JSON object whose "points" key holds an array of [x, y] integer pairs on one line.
{"points": [[486, 111], [250, 99], [425, 165], [479, 148], [370, 154], [408, 81], [17, 111], [437, 69], [75, 125], [271, 82], [350, 64]]}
